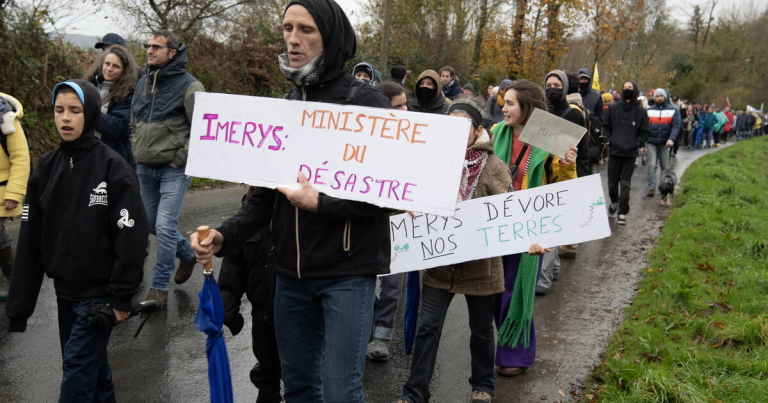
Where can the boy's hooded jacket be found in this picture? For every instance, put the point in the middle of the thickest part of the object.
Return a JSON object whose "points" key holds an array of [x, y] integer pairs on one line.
{"points": [[162, 111], [664, 121], [343, 238], [438, 104], [83, 223], [626, 126]]}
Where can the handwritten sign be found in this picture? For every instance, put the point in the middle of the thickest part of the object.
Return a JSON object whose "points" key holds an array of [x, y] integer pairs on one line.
{"points": [[559, 214], [551, 133], [390, 158]]}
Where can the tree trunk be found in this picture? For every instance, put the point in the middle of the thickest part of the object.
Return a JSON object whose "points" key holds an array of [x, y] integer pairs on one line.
{"points": [[553, 34], [482, 21], [709, 23], [385, 38], [517, 39]]}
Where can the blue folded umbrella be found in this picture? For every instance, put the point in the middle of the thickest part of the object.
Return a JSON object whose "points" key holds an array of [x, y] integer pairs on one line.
{"points": [[209, 320]]}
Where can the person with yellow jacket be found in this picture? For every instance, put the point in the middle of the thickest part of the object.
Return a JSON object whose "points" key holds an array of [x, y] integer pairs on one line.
{"points": [[14, 173], [530, 167]]}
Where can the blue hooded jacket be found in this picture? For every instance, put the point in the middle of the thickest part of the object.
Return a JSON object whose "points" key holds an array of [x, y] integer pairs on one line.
{"points": [[663, 121]]}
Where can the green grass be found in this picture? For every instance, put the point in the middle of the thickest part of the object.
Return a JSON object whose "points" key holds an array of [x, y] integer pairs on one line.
{"points": [[205, 183], [697, 330]]}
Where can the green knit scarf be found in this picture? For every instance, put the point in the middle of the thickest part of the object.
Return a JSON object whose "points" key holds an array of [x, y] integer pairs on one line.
{"points": [[516, 328]]}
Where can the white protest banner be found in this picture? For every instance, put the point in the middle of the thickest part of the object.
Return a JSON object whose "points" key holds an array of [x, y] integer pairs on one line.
{"points": [[390, 158], [559, 214], [551, 133]]}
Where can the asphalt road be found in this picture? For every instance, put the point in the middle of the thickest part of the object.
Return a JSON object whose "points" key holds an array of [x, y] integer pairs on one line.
{"points": [[167, 363]]}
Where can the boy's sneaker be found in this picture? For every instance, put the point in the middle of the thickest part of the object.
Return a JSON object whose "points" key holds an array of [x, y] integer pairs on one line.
{"points": [[613, 208], [160, 298], [651, 192], [378, 350], [184, 272], [479, 396], [622, 220]]}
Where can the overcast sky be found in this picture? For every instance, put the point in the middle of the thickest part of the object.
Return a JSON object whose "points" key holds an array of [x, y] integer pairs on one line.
{"points": [[98, 23]]}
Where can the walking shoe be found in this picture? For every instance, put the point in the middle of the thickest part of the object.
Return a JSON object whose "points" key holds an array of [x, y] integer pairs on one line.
{"points": [[184, 271], [479, 396], [651, 192], [541, 290], [613, 208], [378, 350], [510, 371], [717, 144], [568, 251], [160, 298], [4, 284], [622, 220]]}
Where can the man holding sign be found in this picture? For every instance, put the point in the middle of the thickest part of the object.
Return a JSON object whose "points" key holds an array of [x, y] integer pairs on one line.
{"points": [[328, 250]]}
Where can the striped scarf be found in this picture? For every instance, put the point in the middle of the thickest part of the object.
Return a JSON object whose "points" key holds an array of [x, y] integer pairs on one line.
{"points": [[306, 74]]}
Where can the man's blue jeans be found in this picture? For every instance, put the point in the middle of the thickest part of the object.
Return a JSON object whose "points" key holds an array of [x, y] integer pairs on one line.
{"points": [[162, 191], [335, 313], [655, 153]]}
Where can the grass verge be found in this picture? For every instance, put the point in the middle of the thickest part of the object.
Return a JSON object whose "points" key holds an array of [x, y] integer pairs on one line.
{"points": [[697, 330], [205, 183]]}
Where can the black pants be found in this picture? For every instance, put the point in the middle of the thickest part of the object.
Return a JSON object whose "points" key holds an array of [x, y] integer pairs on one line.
{"points": [[265, 375], [434, 307], [620, 169]]}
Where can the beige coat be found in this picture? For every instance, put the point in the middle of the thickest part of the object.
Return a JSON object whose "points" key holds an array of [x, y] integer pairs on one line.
{"points": [[484, 276]]}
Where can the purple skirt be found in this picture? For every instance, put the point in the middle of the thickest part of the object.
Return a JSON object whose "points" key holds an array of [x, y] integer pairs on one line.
{"points": [[519, 356]]}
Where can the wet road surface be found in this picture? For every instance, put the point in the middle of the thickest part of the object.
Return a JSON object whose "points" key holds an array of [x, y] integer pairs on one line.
{"points": [[167, 362]]}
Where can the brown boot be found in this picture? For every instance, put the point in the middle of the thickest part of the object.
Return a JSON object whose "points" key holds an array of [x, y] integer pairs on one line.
{"points": [[184, 271], [7, 258], [160, 298]]}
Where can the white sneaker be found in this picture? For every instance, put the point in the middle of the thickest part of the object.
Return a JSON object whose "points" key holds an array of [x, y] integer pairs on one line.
{"points": [[622, 220]]}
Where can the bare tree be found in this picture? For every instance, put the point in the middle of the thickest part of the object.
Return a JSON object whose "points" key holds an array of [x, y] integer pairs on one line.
{"points": [[709, 23], [180, 16]]}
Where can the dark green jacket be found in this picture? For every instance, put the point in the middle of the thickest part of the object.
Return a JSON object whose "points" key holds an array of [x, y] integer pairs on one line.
{"points": [[162, 111]]}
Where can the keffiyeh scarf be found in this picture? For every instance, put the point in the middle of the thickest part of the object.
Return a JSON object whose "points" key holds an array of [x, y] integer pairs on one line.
{"points": [[474, 162], [306, 74]]}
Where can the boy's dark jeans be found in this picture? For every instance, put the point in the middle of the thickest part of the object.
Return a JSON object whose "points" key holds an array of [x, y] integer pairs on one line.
{"points": [[87, 376], [265, 375]]}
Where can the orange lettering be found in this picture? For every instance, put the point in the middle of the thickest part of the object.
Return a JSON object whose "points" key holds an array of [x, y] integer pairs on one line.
{"points": [[413, 135]]}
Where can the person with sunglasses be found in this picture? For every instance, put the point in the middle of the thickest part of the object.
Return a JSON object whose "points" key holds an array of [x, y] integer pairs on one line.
{"points": [[160, 119]]}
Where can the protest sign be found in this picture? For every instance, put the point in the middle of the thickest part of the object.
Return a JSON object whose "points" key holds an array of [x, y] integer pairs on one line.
{"points": [[551, 133], [390, 158], [559, 214]]}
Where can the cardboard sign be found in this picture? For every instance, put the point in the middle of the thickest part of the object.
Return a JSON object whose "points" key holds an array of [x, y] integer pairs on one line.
{"points": [[563, 213], [390, 158], [551, 133]]}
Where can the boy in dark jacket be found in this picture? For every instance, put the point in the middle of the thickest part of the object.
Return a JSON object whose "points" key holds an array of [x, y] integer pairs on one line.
{"points": [[84, 226], [626, 126]]}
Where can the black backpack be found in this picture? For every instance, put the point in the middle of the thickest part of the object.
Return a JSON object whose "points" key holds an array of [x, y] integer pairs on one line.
{"points": [[596, 138]]}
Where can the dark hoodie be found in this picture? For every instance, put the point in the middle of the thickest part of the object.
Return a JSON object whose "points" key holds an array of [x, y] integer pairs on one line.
{"points": [[161, 113], [626, 126], [437, 104], [344, 238], [563, 109], [83, 223], [497, 115], [591, 98]]}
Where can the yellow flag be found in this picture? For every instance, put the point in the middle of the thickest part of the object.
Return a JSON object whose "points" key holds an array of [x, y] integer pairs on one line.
{"points": [[596, 79]]}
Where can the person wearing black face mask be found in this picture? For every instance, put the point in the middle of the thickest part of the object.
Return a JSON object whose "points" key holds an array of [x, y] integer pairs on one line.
{"points": [[555, 88], [591, 98], [429, 94], [626, 126]]}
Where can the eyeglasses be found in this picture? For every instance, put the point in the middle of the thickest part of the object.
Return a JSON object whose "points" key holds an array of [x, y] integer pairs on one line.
{"points": [[154, 47]]}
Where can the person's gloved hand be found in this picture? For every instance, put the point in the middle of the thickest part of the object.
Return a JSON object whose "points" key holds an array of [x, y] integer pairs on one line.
{"points": [[235, 323]]}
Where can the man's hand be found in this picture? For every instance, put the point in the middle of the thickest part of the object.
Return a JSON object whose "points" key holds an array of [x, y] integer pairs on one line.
{"points": [[642, 151], [205, 249], [670, 143], [305, 197], [120, 316], [172, 165], [536, 249], [10, 204]]}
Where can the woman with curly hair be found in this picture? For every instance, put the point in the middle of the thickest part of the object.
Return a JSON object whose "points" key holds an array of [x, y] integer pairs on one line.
{"points": [[115, 74]]}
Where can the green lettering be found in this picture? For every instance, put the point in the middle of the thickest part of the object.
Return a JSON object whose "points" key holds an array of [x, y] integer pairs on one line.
{"points": [[502, 233], [542, 225], [531, 230], [517, 230], [556, 224], [485, 232]]}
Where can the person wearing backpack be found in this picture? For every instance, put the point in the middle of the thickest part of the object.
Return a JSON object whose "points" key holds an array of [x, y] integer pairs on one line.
{"points": [[325, 277], [555, 87], [14, 173]]}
